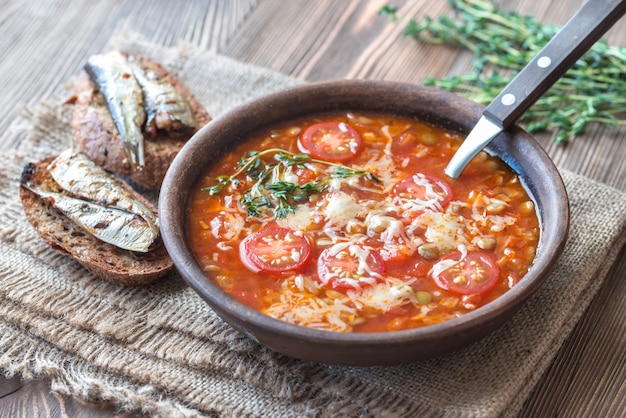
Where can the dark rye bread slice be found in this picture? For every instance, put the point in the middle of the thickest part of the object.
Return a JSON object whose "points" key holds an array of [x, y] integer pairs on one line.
{"points": [[111, 263], [96, 135]]}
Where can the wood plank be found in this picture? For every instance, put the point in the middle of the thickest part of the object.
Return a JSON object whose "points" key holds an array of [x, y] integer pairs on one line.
{"points": [[45, 67], [293, 41], [10, 386], [34, 399]]}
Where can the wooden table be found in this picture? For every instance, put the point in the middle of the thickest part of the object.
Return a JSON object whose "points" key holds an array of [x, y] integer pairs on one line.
{"points": [[316, 40]]}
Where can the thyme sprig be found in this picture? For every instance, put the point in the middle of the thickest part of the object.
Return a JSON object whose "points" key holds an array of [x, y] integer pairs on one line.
{"points": [[502, 43], [271, 189]]}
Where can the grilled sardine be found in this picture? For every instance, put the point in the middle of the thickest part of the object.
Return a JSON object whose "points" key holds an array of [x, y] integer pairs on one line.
{"points": [[123, 229], [113, 75], [165, 107], [82, 178], [92, 198]]}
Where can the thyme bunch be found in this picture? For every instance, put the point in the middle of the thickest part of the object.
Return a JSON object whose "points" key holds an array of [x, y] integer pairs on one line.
{"points": [[271, 188], [502, 43]]}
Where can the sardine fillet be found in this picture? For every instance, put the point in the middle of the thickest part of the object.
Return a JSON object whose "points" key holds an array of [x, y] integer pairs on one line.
{"points": [[113, 75], [106, 261], [95, 132]]}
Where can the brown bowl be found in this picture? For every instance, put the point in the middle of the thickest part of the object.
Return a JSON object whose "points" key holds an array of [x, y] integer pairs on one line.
{"points": [[515, 147]]}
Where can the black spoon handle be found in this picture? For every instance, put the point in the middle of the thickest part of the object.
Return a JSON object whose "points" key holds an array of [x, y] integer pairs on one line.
{"points": [[578, 35]]}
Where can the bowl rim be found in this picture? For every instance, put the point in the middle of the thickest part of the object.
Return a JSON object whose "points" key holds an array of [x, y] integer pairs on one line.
{"points": [[170, 209]]}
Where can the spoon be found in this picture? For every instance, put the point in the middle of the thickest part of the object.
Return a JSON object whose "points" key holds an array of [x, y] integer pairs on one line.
{"points": [[593, 19]]}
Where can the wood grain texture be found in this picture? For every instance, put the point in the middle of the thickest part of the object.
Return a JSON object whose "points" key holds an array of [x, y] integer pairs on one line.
{"points": [[48, 41], [34, 399]]}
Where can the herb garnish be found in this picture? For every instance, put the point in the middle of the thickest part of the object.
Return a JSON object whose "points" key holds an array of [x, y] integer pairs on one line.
{"points": [[389, 10], [503, 42], [271, 189]]}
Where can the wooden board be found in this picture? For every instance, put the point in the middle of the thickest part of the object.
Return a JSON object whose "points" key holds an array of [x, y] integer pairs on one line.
{"points": [[45, 42]]}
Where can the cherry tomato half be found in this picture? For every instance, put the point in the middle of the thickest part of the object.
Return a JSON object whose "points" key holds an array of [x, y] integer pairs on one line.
{"points": [[477, 273], [350, 267], [331, 141], [425, 188], [275, 250]]}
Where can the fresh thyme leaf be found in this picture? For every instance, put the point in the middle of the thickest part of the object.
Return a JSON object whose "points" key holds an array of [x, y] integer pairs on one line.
{"points": [[345, 172], [222, 181], [388, 10], [342, 172], [289, 159], [257, 175], [249, 162], [281, 189], [313, 187], [253, 204], [283, 209], [271, 190], [503, 42]]}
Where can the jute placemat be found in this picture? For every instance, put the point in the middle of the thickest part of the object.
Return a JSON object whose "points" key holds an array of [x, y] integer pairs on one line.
{"points": [[159, 349]]}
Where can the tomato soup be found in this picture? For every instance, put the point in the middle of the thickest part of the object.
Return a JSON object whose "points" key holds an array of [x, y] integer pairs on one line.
{"points": [[347, 222]]}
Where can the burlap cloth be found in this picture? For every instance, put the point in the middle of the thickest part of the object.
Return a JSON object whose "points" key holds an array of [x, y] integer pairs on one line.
{"points": [[160, 350]]}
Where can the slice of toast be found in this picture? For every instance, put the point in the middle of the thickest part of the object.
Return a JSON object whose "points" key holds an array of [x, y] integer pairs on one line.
{"points": [[96, 135], [122, 267]]}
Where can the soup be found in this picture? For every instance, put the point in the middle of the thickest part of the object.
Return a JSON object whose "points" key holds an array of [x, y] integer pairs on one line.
{"points": [[346, 222]]}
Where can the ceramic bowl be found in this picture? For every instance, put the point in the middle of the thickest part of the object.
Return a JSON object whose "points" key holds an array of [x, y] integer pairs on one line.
{"points": [[516, 148]]}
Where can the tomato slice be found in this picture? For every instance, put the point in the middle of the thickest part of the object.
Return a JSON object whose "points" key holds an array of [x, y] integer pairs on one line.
{"points": [[424, 188], [275, 250], [350, 266], [331, 141], [477, 273]]}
